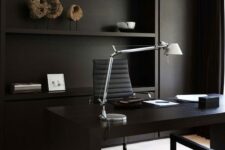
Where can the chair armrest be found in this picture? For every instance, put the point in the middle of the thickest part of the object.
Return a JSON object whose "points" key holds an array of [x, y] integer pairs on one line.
{"points": [[91, 100], [147, 95]]}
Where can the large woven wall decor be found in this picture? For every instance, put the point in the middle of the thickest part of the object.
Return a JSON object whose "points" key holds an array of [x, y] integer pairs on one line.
{"points": [[38, 8], [75, 12], [55, 9], [45, 8]]}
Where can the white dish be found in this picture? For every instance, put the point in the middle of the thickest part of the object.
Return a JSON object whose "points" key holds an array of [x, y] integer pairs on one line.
{"points": [[126, 25]]}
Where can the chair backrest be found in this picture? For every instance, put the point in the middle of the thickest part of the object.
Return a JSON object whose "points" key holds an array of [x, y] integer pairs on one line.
{"points": [[119, 85]]}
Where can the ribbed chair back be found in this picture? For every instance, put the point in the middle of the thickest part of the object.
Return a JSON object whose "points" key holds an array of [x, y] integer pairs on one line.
{"points": [[119, 85]]}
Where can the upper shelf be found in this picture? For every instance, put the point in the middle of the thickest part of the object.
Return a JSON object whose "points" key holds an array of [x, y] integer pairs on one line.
{"points": [[77, 33]]}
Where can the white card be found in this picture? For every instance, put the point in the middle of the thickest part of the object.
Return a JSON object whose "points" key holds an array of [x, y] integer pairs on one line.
{"points": [[56, 82]]}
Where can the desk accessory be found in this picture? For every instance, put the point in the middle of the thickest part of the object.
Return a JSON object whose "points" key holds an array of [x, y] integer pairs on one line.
{"points": [[160, 102], [17, 88], [128, 103], [190, 97], [170, 49], [208, 102], [56, 82], [130, 100]]}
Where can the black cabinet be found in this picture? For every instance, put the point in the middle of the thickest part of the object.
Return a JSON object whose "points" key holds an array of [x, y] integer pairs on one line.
{"points": [[24, 122]]}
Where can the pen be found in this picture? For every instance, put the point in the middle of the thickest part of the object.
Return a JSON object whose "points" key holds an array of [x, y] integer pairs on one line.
{"points": [[161, 102]]}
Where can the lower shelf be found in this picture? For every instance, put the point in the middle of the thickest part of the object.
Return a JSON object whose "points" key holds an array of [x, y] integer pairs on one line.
{"points": [[76, 92]]}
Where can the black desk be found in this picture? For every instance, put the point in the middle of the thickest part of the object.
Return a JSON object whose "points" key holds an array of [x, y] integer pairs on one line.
{"points": [[78, 127]]}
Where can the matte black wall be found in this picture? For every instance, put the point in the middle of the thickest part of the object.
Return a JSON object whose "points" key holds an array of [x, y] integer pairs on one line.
{"points": [[1, 124], [177, 24], [1, 79]]}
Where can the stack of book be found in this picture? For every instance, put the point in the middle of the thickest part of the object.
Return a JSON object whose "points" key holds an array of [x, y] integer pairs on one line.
{"points": [[26, 87]]}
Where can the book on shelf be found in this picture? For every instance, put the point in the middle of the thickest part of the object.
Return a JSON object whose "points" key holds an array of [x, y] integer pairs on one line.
{"points": [[26, 88]]}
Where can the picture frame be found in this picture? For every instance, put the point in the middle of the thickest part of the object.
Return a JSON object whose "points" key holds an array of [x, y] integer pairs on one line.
{"points": [[56, 82]]}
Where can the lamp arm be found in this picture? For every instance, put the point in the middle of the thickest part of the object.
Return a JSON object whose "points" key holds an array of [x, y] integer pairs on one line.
{"points": [[137, 49], [104, 100], [116, 52]]}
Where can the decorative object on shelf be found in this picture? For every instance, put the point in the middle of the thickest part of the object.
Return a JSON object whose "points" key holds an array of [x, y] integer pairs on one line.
{"points": [[55, 9], [38, 8], [56, 82], [75, 13], [126, 26], [170, 49], [45, 8], [26, 88]]}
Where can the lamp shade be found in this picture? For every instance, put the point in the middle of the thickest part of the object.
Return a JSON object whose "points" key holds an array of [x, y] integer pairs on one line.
{"points": [[173, 49]]}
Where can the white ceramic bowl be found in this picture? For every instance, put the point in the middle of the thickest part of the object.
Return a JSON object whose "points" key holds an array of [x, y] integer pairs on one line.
{"points": [[126, 25]]}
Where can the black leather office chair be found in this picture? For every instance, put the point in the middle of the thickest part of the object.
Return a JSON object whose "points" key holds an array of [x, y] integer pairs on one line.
{"points": [[119, 85], [174, 138]]}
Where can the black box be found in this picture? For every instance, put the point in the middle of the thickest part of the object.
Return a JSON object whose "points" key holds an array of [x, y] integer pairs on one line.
{"points": [[208, 102]]}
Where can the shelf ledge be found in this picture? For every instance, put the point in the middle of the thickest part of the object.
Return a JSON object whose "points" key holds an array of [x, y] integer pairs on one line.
{"points": [[77, 33]]}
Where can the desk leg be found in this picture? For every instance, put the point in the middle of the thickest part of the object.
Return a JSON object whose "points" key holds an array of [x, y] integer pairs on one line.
{"points": [[217, 136], [63, 134], [95, 138]]}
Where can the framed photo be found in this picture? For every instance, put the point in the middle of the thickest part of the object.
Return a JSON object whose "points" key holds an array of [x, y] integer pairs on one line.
{"points": [[56, 82]]}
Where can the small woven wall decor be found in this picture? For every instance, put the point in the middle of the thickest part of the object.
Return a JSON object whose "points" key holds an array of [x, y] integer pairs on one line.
{"points": [[38, 8], [75, 12]]}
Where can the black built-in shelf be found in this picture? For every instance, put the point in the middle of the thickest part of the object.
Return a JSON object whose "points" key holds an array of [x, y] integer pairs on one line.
{"points": [[30, 49], [33, 48]]}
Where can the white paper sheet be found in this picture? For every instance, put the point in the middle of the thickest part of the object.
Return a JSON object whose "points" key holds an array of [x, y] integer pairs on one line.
{"points": [[190, 97], [160, 102]]}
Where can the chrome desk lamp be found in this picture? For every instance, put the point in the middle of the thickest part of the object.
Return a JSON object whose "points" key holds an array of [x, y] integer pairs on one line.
{"points": [[170, 49]]}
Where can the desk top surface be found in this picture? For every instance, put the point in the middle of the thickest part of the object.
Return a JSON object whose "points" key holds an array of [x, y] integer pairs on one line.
{"points": [[184, 115]]}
